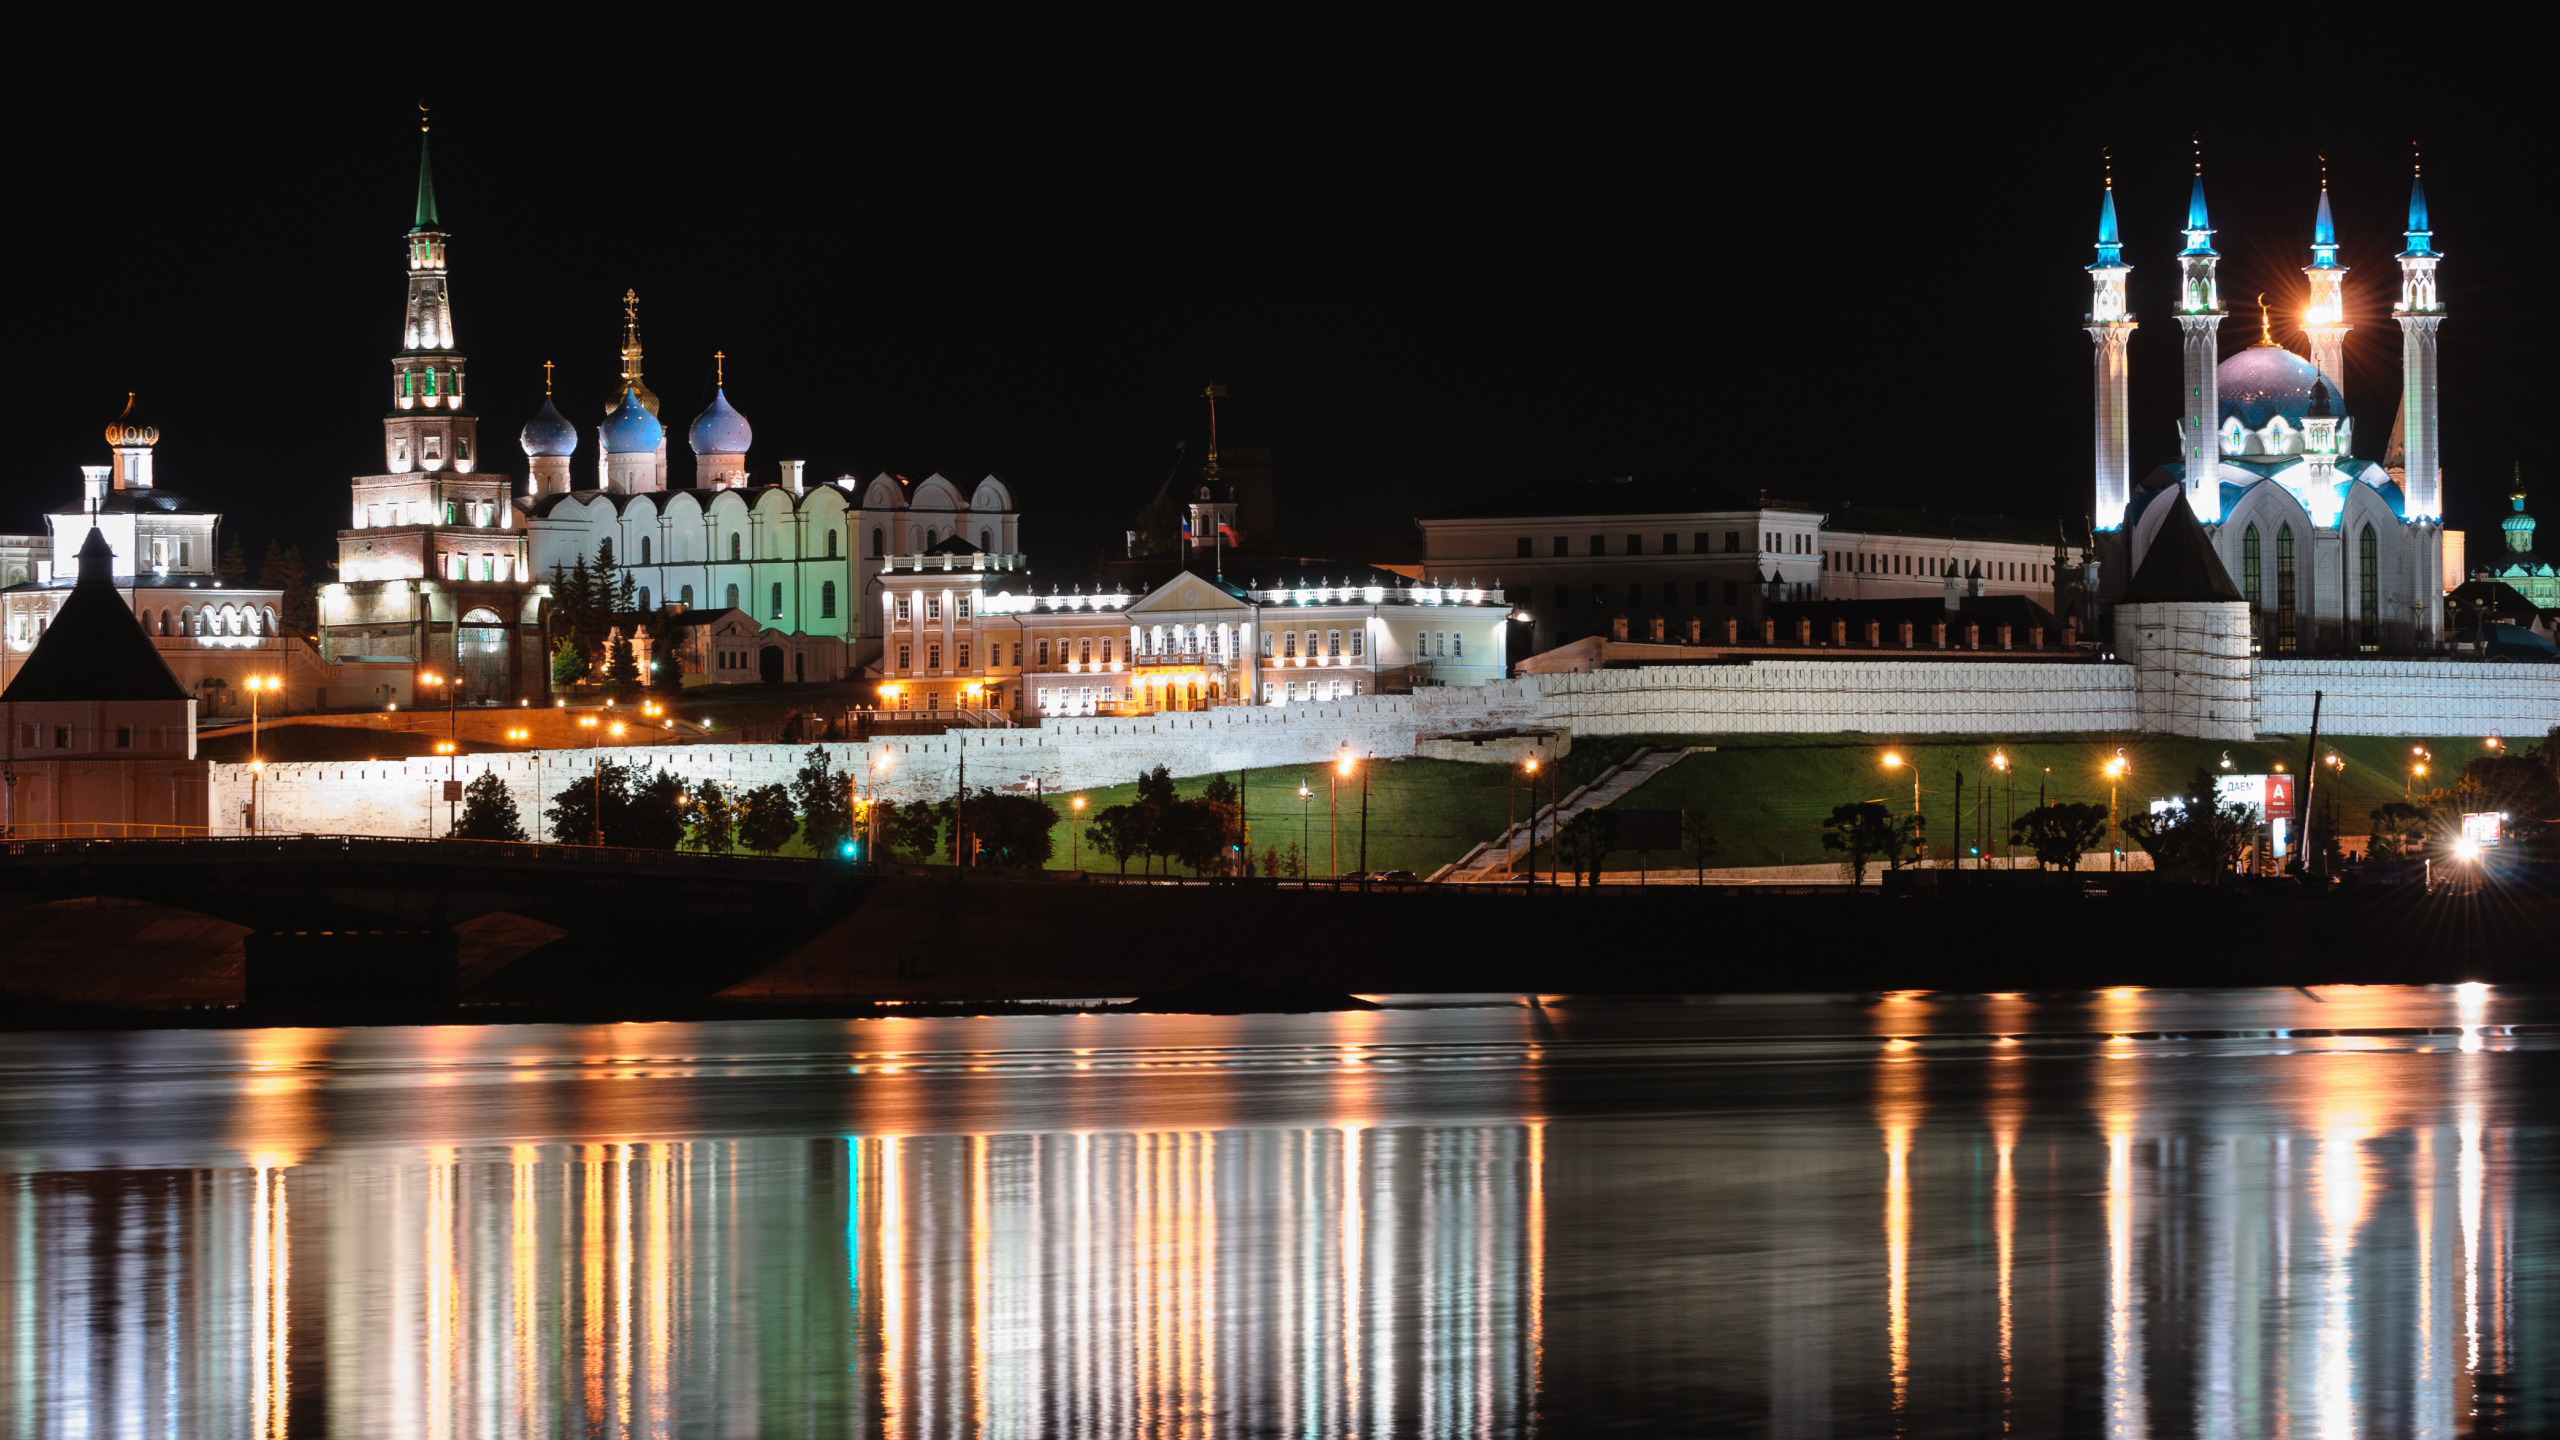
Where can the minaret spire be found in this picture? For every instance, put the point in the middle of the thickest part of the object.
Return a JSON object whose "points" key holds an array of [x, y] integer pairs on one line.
{"points": [[2324, 319], [426, 179], [2420, 311], [2110, 326], [2200, 317]]}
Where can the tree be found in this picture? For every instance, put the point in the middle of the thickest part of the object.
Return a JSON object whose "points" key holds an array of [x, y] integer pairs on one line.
{"points": [[572, 812], [568, 661], [2061, 833], [1271, 862], [1699, 839], [824, 803], [715, 820], [1118, 831], [2397, 828], [652, 818], [2199, 833], [912, 831], [488, 812], [282, 570], [1293, 864], [1198, 833], [621, 666], [765, 819], [234, 565], [1862, 830], [1152, 811], [1012, 830], [1585, 842]]}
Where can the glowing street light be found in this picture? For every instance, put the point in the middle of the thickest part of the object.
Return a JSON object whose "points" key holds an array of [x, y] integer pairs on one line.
{"points": [[2115, 770], [1075, 832], [2419, 756]]}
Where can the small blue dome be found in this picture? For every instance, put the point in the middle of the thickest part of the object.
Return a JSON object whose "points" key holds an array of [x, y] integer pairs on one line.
{"points": [[549, 433], [720, 429], [2265, 381], [631, 429]]}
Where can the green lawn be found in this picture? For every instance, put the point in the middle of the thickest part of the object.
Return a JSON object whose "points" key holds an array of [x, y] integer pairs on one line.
{"points": [[1767, 795], [1422, 814]]}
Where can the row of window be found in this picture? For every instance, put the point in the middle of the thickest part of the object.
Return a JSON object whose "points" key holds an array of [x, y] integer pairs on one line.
{"points": [[1701, 542], [960, 653], [431, 447], [1083, 648], [1700, 593], [1869, 562], [421, 384], [34, 737], [933, 607]]}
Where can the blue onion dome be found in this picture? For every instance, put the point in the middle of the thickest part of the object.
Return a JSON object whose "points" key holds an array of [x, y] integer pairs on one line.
{"points": [[720, 429], [2265, 381], [631, 429], [549, 433]]}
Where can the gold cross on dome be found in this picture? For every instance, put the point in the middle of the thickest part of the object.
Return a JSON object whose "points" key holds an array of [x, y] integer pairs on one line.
{"points": [[630, 304], [546, 377], [719, 367]]}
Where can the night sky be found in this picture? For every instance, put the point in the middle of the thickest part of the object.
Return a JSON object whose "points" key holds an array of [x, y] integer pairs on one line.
{"points": [[1428, 264]]}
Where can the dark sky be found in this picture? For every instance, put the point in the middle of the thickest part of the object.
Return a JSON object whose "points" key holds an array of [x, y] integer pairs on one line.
{"points": [[1429, 262]]}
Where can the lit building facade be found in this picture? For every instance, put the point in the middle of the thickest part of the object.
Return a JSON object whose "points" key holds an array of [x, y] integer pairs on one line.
{"points": [[2333, 552], [433, 570]]}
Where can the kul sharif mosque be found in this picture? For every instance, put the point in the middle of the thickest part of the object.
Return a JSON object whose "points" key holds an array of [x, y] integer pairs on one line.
{"points": [[2335, 552]]}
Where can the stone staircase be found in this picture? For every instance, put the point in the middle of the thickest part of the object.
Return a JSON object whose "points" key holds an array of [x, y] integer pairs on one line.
{"points": [[1492, 861]]}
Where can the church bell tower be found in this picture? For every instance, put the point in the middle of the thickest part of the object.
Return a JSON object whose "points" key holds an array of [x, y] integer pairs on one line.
{"points": [[430, 427]]}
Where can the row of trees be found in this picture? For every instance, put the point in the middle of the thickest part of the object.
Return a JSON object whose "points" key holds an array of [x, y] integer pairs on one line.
{"points": [[1865, 832], [628, 807], [587, 597], [1161, 826]]}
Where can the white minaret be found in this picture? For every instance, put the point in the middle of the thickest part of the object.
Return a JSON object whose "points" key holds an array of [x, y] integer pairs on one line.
{"points": [[2200, 316], [2419, 313], [2110, 327], [2325, 318]]}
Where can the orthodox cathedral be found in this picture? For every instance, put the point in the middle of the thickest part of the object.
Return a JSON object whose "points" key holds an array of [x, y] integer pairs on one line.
{"points": [[2334, 552]]}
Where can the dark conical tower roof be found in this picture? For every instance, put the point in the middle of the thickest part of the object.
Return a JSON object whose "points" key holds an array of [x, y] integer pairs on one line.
{"points": [[95, 648], [2180, 565]]}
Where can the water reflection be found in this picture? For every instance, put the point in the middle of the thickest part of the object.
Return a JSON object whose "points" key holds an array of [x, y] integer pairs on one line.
{"points": [[2129, 1214]]}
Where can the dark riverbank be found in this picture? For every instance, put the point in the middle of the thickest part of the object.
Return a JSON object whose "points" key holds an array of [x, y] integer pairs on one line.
{"points": [[947, 944]]}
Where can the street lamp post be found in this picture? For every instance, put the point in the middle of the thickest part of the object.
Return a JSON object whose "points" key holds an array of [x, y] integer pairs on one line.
{"points": [[2008, 843], [1364, 822], [257, 758], [1075, 833], [2115, 838], [1333, 817], [1306, 829], [1893, 761], [2417, 767], [1532, 767]]}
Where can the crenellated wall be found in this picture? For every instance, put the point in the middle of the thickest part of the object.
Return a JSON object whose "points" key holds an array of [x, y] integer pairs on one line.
{"points": [[1778, 696]]}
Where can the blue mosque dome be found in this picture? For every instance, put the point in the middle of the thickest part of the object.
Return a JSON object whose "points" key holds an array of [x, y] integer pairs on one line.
{"points": [[720, 429], [631, 429], [2265, 381], [549, 433]]}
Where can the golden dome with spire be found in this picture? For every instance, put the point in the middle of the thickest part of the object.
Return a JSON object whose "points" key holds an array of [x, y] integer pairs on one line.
{"points": [[126, 430]]}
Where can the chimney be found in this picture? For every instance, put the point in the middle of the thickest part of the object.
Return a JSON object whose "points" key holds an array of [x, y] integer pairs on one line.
{"points": [[1804, 632], [1905, 628], [1840, 633], [93, 487], [1697, 629], [1973, 637], [1954, 587], [1732, 631], [1873, 640], [2071, 634], [1653, 628], [1938, 634], [795, 475], [2035, 637], [1618, 627], [1768, 631], [2004, 637]]}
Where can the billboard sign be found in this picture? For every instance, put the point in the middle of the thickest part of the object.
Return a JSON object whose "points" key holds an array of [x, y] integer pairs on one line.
{"points": [[2270, 795]]}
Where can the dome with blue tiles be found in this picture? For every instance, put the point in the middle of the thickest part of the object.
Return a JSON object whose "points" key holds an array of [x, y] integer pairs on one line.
{"points": [[2265, 381], [631, 429], [549, 434], [720, 429]]}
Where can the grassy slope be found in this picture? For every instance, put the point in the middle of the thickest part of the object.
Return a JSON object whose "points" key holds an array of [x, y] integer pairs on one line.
{"points": [[1422, 813], [1768, 794]]}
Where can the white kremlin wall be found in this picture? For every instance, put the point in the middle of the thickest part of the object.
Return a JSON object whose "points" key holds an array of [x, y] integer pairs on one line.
{"points": [[1884, 697]]}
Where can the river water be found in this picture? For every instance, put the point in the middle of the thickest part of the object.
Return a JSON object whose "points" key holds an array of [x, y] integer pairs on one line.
{"points": [[2130, 1213]]}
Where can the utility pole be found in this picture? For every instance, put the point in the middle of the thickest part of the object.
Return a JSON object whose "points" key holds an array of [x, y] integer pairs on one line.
{"points": [[959, 799], [1364, 819], [2310, 780]]}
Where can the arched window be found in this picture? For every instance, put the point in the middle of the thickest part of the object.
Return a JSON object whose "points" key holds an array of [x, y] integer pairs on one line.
{"points": [[827, 591], [932, 537], [2369, 588], [2252, 583], [986, 538], [734, 544], [644, 590], [2287, 640], [877, 541], [733, 597], [684, 597], [777, 599], [831, 544], [644, 555]]}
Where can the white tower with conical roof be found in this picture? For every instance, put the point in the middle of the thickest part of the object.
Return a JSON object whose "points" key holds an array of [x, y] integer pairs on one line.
{"points": [[2200, 316], [2324, 319], [2420, 310], [2110, 327]]}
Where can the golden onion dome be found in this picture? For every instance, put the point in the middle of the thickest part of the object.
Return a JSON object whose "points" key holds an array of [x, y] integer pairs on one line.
{"points": [[126, 429]]}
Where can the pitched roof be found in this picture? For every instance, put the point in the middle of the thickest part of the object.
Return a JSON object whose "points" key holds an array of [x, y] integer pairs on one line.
{"points": [[2180, 565], [95, 648]]}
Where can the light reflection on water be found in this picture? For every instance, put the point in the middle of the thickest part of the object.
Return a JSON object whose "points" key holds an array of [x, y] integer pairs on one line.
{"points": [[2125, 1214]]}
